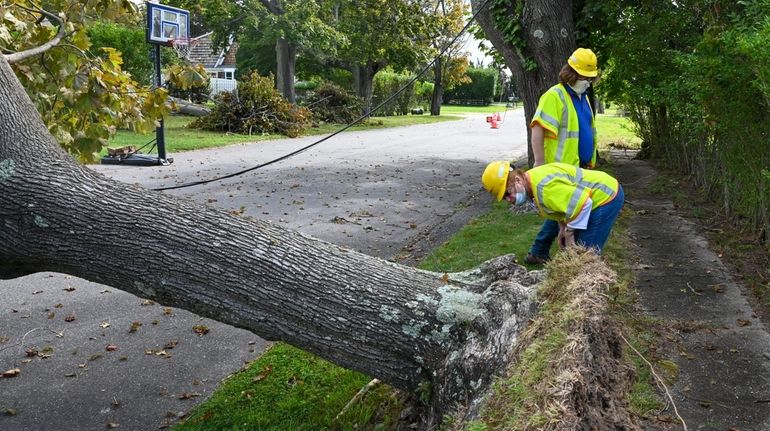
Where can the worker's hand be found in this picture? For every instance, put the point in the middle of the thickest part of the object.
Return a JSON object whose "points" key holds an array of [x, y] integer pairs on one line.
{"points": [[562, 236], [569, 237]]}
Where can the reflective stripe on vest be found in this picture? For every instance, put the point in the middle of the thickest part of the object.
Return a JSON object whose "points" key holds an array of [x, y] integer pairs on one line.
{"points": [[582, 186], [564, 132], [566, 141]]}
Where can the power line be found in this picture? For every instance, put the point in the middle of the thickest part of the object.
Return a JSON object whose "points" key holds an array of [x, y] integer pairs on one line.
{"points": [[356, 121]]}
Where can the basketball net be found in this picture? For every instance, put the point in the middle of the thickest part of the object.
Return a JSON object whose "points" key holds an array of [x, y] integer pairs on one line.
{"points": [[183, 46]]}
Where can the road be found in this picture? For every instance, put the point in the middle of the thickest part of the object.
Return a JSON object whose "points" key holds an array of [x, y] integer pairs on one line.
{"points": [[90, 355]]}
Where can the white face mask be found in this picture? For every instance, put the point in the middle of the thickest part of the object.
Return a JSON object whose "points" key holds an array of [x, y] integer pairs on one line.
{"points": [[521, 198], [580, 86]]}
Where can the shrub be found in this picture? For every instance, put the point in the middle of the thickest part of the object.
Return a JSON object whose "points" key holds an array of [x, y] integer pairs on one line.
{"points": [[423, 92], [255, 107], [333, 104], [131, 42], [482, 87], [387, 83]]}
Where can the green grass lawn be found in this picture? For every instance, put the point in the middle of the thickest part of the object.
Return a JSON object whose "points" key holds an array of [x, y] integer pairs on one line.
{"points": [[617, 130], [459, 109], [611, 128], [181, 138]]}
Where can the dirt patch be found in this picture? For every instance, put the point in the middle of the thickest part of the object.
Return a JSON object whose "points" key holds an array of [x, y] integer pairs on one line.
{"points": [[597, 399], [570, 371]]}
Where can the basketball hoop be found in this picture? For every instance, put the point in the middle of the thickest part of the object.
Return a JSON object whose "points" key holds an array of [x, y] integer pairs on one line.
{"points": [[183, 46]]}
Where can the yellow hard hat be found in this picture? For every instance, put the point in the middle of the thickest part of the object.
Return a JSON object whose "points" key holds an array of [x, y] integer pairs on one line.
{"points": [[495, 178], [584, 62]]}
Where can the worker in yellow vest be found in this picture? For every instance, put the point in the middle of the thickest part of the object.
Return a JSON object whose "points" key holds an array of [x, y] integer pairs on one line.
{"points": [[563, 131], [583, 203]]}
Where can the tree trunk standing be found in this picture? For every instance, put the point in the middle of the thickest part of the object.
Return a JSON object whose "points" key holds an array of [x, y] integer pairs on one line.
{"points": [[286, 57], [548, 34], [438, 88], [445, 334], [364, 79]]}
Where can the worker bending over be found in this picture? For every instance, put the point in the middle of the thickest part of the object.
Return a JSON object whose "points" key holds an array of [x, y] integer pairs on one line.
{"points": [[584, 203], [563, 131]]}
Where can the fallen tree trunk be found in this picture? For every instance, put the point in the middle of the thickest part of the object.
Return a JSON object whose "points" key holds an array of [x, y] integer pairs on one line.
{"points": [[442, 334], [188, 108]]}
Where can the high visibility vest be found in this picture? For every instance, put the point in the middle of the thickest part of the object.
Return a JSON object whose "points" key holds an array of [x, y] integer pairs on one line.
{"points": [[557, 115], [560, 190]]}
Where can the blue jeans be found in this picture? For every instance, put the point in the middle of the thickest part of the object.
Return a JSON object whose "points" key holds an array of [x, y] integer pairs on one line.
{"points": [[542, 245], [595, 235], [600, 223]]}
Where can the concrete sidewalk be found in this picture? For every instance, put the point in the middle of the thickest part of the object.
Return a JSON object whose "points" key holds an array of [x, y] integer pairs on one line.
{"points": [[709, 328]]}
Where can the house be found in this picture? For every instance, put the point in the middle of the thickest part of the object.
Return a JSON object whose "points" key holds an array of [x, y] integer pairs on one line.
{"points": [[219, 64]]}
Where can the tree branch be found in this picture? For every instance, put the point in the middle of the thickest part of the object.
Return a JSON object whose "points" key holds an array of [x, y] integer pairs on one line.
{"points": [[273, 6], [22, 55]]}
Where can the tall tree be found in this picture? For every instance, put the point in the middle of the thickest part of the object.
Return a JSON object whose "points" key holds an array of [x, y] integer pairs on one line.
{"points": [[449, 68], [380, 33], [291, 25], [534, 37]]}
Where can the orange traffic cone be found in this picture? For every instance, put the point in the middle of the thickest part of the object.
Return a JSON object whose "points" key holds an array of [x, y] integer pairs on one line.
{"points": [[497, 116], [494, 123]]}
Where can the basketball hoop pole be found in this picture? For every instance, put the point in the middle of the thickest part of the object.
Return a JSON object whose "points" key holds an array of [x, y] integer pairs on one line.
{"points": [[159, 131]]}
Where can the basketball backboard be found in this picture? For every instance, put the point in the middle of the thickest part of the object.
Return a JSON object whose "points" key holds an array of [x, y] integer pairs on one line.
{"points": [[166, 23]]}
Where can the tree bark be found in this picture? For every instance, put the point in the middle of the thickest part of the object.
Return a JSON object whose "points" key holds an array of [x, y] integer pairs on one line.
{"points": [[363, 75], [438, 88], [189, 108], [443, 334], [286, 57], [548, 33]]}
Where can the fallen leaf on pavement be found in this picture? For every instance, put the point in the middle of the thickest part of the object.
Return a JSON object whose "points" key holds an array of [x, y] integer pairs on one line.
{"points": [[201, 329], [134, 327], [104, 325], [69, 289], [13, 372], [188, 395], [744, 322], [171, 344], [111, 348], [112, 425], [70, 318]]}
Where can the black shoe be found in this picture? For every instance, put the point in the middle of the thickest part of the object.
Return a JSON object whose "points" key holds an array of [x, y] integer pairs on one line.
{"points": [[536, 260]]}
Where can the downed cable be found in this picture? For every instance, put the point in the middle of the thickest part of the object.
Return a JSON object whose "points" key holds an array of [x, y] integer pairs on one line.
{"points": [[356, 121]]}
